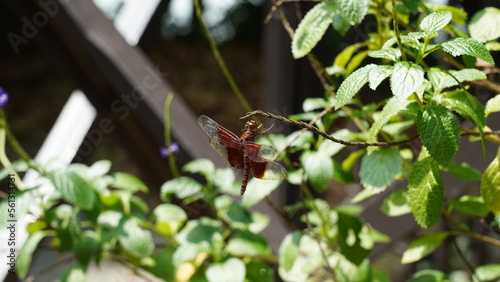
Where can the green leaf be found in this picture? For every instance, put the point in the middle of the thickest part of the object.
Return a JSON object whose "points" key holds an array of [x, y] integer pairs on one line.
{"points": [[246, 243], [352, 84], [473, 205], [318, 168], [428, 275], [329, 148], [490, 185], [412, 38], [87, 247], [345, 270], [224, 178], [312, 28], [435, 21], [425, 192], [441, 79], [493, 46], [378, 74], [391, 108], [484, 25], [259, 222], [379, 168], [74, 273], [299, 253], [233, 213], [493, 105], [459, 16], [231, 270], [439, 131], [464, 171], [340, 24], [467, 46], [259, 271], [181, 187], [289, 250], [25, 255], [353, 11], [465, 104], [128, 182], [99, 168], [412, 5], [199, 231], [258, 189], [356, 61], [396, 204], [163, 266], [488, 272], [423, 246], [134, 239], [345, 56], [350, 241], [311, 104], [406, 78], [168, 218], [17, 165], [201, 166], [73, 188]]}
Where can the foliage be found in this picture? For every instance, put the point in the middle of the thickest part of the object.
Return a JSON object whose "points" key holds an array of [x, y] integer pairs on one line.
{"points": [[96, 215]]}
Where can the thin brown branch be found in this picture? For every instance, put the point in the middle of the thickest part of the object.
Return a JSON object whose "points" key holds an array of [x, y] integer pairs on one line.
{"points": [[310, 127], [324, 134]]}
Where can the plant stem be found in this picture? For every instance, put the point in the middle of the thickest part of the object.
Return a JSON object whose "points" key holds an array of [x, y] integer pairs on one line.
{"points": [[168, 137], [12, 140], [220, 60], [396, 29]]}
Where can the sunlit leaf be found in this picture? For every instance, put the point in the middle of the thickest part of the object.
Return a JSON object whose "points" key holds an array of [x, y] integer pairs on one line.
{"points": [[231, 270], [25, 255], [352, 84], [490, 185], [435, 21], [473, 205], [423, 246], [312, 28], [484, 24], [440, 132], [379, 168], [73, 188], [425, 191], [353, 11], [467, 46], [406, 78], [318, 168], [396, 204]]}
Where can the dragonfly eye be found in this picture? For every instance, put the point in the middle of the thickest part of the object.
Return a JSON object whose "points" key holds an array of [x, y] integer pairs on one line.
{"points": [[252, 126]]}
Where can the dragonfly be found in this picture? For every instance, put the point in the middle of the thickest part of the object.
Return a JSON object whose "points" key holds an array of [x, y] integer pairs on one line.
{"points": [[242, 152]]}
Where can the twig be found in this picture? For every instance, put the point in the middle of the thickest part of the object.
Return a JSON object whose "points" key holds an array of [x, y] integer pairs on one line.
{"points": [[310, 127], [468, 264], [396, 29], [326, 135]]}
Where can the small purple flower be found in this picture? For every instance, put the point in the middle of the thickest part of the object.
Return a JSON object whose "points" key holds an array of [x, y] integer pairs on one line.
{"points": [[172, 148], [4, 98]]}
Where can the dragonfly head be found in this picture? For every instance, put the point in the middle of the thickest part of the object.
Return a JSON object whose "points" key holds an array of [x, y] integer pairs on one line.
{"points": [[252, 126]]}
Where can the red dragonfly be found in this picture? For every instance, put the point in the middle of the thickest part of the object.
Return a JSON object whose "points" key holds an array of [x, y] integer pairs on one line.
{"points": [[242, 152]]}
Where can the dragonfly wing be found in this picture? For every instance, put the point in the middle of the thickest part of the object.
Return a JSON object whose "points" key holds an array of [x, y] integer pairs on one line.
{"points": [[226, 143], [263, 168], [268, 170]]}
